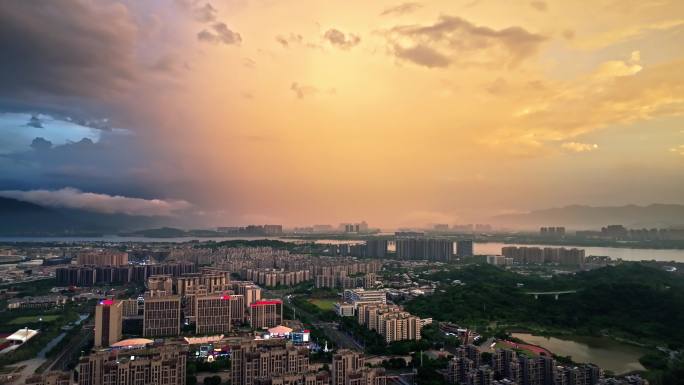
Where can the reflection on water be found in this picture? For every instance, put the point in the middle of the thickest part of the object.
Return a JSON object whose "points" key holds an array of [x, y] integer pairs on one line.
{"points": [[604, 352], [666, 255]]}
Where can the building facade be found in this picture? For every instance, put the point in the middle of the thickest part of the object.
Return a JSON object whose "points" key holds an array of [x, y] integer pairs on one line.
{"points": [[108, 318], [213, 314], [161, 316], [151, 366], [266, 313]]}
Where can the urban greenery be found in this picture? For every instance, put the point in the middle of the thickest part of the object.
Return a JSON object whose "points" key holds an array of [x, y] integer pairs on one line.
{"points": [[630, 301]]}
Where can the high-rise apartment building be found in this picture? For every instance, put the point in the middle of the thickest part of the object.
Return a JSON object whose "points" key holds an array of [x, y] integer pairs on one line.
{"points": [[537, 255], [150, 366], [424, 248], [552, 232], [108, 320], [237, 309], [102, 258], [376, 248], [390, 321], [254, 362], [213, 314], [213, 282], [464, 248], [159, 284], [132, 308], [162, 316], [266, 313], [250, 291], [348, 369]]}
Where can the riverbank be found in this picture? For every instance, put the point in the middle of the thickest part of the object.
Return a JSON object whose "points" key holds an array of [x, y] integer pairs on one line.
{"points": [[618, 357]]}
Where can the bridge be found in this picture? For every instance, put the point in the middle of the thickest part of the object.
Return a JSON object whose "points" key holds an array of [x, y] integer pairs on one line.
{"points": [[556, 294]]}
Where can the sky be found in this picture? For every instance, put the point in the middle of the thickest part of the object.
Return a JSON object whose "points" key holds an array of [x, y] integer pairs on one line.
{"points": [[231, 112]]}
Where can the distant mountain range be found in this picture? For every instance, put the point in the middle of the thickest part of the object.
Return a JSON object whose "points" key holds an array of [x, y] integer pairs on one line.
{"points": [[589, 217], [18, 218]]}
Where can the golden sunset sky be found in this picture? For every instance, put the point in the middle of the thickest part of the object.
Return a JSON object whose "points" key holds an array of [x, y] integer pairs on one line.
{"points": [[303, 112]]}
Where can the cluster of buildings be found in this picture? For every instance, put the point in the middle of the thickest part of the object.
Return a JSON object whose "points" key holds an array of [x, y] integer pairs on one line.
{"points": [[91, 275], [252, 230], [390, 321], [341, 280], [39, 302], [373, 312], [353, 298], [538, 256], [434, 249], [409, 246], [346, 273], [142, 361], [552, 232], [461, 229], [351, 228], [276, 277], [102, 258], [621, 233], [208, 299], [506, 367]]}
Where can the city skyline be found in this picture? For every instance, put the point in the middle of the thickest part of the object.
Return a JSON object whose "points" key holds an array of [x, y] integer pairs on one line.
{"points": [[397, 113]]}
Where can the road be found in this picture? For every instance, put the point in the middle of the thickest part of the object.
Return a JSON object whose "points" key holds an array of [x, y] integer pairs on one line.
{"points": [[330, 329], [341, 339], [30, 366]]}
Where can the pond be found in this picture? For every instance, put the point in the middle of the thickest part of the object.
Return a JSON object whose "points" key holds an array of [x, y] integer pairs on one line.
{"points": [[607, 353]]}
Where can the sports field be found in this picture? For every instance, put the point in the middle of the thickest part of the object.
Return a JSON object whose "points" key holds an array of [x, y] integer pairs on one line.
{"points": [[324, 303], [33, 319]]}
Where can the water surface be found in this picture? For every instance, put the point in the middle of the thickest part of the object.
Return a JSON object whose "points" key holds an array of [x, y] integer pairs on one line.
{"points": [[608, 354]]}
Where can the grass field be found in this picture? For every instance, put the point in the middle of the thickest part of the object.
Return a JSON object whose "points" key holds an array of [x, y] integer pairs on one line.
{"points": [[33, 319], [324, 303]]}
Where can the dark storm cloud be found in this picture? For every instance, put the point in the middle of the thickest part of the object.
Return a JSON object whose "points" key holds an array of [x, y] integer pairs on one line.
{"points": [[110, 164], [455, 40], [41, 144], [65, 48], [340, 39], [220, 33], [35, 122]]}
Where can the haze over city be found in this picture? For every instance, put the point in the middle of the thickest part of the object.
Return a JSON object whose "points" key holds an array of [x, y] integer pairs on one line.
{"points": [[341, 192], [401, 114]]}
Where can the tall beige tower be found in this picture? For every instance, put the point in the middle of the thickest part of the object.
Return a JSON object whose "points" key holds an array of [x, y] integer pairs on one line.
{"points": [[108, 322]]}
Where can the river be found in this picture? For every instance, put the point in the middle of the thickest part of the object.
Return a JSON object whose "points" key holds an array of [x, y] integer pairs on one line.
{"points": [[663, 255], [608, 354]]}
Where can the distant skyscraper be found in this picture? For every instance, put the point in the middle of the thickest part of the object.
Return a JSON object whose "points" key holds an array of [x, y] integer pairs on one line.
{"points": [[376, 248], [464, 248], [108, 322], [424, 248]]}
